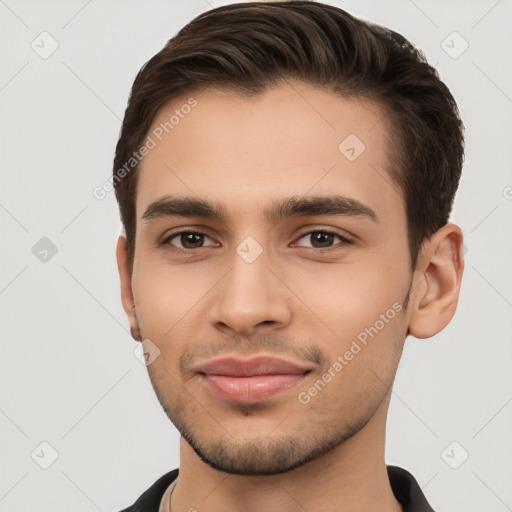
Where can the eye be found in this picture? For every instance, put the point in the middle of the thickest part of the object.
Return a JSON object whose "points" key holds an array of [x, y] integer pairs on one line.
{"points": [[188, 240], [323, 239]]}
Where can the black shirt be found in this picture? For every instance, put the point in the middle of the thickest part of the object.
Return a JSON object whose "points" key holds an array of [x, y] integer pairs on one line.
{"points": [[405, 488]]}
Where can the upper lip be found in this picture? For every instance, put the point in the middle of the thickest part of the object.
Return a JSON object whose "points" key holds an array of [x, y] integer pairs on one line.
{"points": [[262, 365]]}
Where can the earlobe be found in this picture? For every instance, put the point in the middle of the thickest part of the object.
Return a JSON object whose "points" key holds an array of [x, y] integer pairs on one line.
{"points": [[126, 287], [437, 282]]}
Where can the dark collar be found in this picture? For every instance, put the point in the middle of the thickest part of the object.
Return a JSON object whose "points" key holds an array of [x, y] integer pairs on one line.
{"points": [[405, 488]]}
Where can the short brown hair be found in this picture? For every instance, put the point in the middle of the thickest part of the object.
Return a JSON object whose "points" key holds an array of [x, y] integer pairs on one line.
{"points": [[249, 47]]}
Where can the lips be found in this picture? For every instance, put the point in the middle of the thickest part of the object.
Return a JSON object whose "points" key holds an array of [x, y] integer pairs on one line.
{"points": [[247, 368], [250, 381]]}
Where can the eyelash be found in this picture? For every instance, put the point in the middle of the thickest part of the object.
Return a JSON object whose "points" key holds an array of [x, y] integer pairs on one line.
{"points": [[344, 240]]}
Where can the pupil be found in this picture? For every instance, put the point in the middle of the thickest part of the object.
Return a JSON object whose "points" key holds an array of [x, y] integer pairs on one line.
{"points": [[322, 237], [189, 238]]}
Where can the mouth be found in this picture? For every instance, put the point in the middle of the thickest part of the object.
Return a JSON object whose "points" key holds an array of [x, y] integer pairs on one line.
{"points": [[250, 381]]}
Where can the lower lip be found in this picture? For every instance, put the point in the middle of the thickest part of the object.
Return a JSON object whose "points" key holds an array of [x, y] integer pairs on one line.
{"points": [[250, 390]]}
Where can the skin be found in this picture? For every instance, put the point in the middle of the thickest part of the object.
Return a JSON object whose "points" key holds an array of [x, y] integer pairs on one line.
{"points": [[293, 301]]}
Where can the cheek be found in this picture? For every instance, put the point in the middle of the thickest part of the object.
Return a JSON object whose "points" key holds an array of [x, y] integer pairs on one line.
{"points": [[164, 296], [349, 298]]}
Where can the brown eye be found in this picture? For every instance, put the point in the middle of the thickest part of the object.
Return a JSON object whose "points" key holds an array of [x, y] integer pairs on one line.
{"points": [[321, 239], [188, 240]]}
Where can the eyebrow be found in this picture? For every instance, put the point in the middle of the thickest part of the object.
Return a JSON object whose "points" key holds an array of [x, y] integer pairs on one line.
{"points": [[170, 206]]}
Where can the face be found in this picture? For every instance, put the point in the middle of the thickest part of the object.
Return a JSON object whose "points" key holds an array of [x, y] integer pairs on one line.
{"points": [[302, 256]]}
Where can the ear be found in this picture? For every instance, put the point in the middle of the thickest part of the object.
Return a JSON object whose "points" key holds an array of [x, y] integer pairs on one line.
{"points": [[126, 286], [436, 283]]}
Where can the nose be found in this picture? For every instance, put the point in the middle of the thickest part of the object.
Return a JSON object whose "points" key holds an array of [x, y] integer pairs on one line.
{"points": [[250, 298]]}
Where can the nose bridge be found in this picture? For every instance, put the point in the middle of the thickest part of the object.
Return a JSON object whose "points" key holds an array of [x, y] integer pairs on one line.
{"points": [[249, 271]]}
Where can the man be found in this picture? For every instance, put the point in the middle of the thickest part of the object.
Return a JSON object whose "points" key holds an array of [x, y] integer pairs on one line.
{"points": [[285, 174]]}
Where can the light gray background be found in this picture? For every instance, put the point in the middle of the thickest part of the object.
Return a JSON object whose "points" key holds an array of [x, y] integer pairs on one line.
{"points": [[69, 376]]}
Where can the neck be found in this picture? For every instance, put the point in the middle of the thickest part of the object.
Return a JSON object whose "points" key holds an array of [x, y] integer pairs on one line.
{"points": [[351, 477]]}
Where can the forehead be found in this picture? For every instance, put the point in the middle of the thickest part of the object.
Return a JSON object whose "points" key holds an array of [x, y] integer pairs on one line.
{"points": [[292, 140]]}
